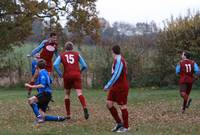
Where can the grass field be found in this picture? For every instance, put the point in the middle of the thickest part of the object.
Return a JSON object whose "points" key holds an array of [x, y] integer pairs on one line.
{"points": [[152, 112]]}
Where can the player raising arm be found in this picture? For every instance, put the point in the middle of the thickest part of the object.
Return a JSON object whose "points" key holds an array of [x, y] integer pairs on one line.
{"points": [[40, 102], [186, 69], [72, 75], [46, 50], [118, 91]]}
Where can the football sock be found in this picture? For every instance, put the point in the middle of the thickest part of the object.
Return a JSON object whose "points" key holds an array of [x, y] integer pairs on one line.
{"points": [[35, 109], [185, 98], [51, 118], [67, 106], [82, 100], [125, 117], [115, 115]]}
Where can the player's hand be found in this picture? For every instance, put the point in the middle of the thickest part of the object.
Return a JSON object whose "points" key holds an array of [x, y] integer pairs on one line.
{"points": [[27, 85], [105, 89], [28, 55]]}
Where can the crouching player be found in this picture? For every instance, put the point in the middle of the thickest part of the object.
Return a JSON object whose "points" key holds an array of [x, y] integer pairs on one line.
{"points": [[186, 69], [72, 75], [118, 91], [40, 102]]}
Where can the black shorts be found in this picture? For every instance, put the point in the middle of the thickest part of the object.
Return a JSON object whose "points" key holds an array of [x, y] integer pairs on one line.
{"points": [[43, 100]]}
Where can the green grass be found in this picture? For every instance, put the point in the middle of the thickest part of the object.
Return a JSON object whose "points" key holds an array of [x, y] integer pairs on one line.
{"points": [[152, 112]]}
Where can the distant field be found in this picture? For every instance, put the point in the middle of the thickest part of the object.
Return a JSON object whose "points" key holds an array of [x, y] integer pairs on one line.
{"points": [[152, 112]]}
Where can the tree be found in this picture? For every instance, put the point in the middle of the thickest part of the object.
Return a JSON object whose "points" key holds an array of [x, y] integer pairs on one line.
{"points": [[83, 20], [17, 16]]}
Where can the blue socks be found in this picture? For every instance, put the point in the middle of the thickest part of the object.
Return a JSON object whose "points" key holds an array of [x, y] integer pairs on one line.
{"points": [[51, 118], [35, 109]]}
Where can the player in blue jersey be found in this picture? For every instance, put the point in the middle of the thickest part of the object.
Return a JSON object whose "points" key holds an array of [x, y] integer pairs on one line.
{"points": [[40, 101], [33, 69]]}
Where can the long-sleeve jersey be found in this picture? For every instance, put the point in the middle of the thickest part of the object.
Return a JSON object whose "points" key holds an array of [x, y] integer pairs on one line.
{"points": [[186, 68], [70, 61], [119, 74]]}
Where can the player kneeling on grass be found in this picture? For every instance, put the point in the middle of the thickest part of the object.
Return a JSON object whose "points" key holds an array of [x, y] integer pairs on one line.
{"points": [[40, 102], [186, 69], [72, 75], [118, 91]]}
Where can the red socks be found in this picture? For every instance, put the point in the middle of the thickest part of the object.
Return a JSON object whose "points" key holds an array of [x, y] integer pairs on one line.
{"points": [[67, 106], [82, 100], [185, 99], [115, 115], [125, 117]]}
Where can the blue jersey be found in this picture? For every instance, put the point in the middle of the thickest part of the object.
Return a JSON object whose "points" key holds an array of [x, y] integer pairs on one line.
{"points": [[33, 66], [45, 80]]}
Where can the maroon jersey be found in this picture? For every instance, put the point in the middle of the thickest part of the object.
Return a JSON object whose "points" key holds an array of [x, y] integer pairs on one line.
{"points": [[70, 61], [186, 71], [48, 51], [122, 82]]}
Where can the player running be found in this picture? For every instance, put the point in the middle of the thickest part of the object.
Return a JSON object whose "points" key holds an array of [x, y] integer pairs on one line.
{"points": [[118, 91], [72, 75], [40, 102], [186, 69]]}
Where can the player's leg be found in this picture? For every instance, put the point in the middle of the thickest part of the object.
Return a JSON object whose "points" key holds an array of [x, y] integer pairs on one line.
{"points": [[83, 102], [33, 103], [43, 102], [183, 88], [121, 99], [76, 82], [124, 111], [115, 115], [189, 88], [67, 103]]}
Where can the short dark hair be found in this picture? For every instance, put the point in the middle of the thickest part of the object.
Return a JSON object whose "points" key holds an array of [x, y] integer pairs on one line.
{"points": [[187, 55], [41, 63], [69, 46], [52, 34], [116, 49]]}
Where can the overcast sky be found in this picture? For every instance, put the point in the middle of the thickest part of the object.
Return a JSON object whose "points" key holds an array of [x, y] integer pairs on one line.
{"points": [[133, 11]]}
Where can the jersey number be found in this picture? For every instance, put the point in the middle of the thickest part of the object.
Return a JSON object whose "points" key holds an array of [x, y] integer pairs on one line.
{"points": [[70, 58], [188, 67]]}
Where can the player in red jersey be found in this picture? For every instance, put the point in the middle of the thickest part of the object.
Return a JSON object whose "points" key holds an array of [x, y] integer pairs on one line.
{"points": [[118, 91], [47, 48], [72, 75], [186, 69]]}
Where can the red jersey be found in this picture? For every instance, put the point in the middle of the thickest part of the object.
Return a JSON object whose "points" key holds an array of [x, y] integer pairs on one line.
{"points": [[122, 82], [48, 51], [186, 71], [70, 61]]}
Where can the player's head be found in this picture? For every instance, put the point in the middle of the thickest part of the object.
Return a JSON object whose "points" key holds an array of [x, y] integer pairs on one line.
{"points": [[185, 55], [53, 37], [116, 50], [41, 64], [69, 46]]}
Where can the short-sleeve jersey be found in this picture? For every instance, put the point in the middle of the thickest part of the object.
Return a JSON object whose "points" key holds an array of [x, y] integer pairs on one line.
{"points": [[45, 80], [70, 61], [186, 71]]}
